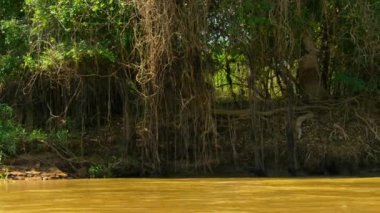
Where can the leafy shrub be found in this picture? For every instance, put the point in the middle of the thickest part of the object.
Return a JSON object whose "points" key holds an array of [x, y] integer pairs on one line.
{"points": [[4, 172], [13, 44], [37, 135], [99, 171], [355, 84], [61, 136], [11, 133]]}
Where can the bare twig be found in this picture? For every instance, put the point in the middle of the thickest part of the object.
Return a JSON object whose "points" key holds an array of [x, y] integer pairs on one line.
{"points": [[299, 122]]}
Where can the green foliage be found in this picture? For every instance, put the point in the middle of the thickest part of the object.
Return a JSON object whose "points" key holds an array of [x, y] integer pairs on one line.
{"points": [[13, 44], [255, 14], [8, 64], [37, 135], [13, 31], [60, 136], [11, 9], [226, 83], [4, 173], [11, 133], [85, 51], [99, 171], [355, 84], [99, 27]]}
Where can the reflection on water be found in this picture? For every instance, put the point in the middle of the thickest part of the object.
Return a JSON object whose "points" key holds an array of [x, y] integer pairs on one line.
{"points": [[192, 195]]}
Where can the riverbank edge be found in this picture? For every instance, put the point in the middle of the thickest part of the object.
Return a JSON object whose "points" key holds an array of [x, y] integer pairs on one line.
{"points": [[8, 172]]}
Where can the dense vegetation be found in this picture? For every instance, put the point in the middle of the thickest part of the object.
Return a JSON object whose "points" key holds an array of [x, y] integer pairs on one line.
{"points": [[191, 86]]}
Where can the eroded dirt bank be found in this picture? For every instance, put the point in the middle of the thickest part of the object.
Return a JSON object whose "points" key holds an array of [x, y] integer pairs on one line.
{"points": [[41, 166]]}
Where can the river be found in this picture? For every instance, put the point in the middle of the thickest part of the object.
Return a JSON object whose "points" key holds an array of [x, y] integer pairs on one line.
{"points": [[192, 195]]}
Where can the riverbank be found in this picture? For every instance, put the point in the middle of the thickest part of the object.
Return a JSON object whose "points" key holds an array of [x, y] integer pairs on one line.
{"points": [[332, 138], [27, 173], [34, 170], [42, 166]]}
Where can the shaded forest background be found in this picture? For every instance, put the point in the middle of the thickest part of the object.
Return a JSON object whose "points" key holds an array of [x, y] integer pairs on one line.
{"points": [[191, 86]]}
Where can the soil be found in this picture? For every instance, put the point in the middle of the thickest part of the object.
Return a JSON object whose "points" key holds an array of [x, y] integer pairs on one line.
{"points": [[45, 166], [27, 173]]}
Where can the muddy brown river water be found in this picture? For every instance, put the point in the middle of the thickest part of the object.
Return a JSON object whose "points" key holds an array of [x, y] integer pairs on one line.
{"points": [[192, 195]]}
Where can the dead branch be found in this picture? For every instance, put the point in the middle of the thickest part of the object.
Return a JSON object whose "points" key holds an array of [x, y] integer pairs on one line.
{"points": [[371, 127], [345, 135], [299, 122], [244, 113], [60, 155]]}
